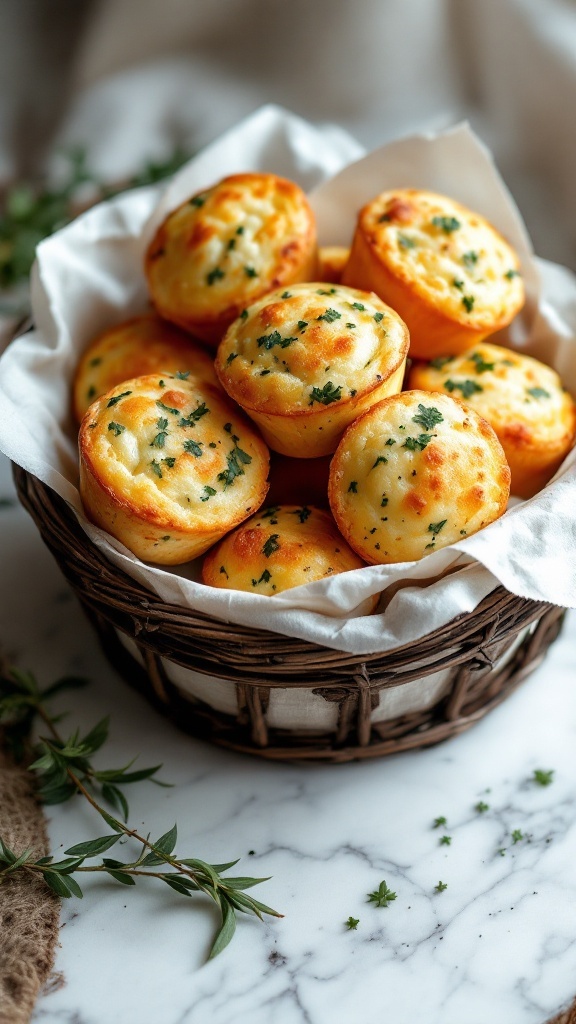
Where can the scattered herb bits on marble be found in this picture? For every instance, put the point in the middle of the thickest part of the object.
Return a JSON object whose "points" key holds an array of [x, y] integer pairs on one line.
{"points": [[414, 474], [382, 896]]}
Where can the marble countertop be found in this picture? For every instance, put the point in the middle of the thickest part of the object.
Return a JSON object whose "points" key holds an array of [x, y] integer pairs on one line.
{"points": [[497, 946]]}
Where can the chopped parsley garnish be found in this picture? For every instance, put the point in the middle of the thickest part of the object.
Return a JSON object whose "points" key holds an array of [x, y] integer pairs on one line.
{"points": [[543, 778], [466, 387], [329, 316], [390, 442], [438, 822], [441, 887], [512, 273], [468, 302], [440, 361], [406, 243], [470, 259], [378, 317], [156, 468], [482, 807], [271, 545], [167, 408], [193, 417], [209, 492], [382, 896], [265, 578], [231, 358], [250, 272], [417, 444], [445, 840], [352, 923], [268, 341], [326, 395], [240, 230], [235, 459], [215, 275], [182, 374], [197, 201], [117, 428], [357, 305], [538, 393], [458, 284], [244, 314], [381, 458], [351, 327], [303, 513], [286, 295], [517, 836], [302, 324], [193, 448], [353, 488], [446, 224], [117, 398], [270, 512], [170, 461], [480, 363], [324, 291], [428, 416], [384, 501], [160, 438], [436, 527], [353, 392]]}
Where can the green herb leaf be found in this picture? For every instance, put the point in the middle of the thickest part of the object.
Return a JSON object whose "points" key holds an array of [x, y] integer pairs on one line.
{"points": [[271, 545], [428, 416], [193, 417], [352, 923], [382, 896], [117, 428], [538, 393], [215, 275], [446, 224], [436, 527], [468, 302], [441, 887], [543, 778], [193, 448], [466, 387], [470, 259], [326, 395], [226, 930], [417, 444], [329, 316], [117, 398], [480, 363], [438, 822], [93, 847]]}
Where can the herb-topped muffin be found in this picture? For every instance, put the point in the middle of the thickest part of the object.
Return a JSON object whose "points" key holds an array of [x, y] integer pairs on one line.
{"points": [[280, 547], [415, 473], [167, 466], [448, 272], [226, 247], [522, 399], [134, 348], [305, 362]]}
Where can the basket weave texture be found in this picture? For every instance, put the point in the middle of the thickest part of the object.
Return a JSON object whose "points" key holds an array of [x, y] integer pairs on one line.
{"points": [[472, 647]]}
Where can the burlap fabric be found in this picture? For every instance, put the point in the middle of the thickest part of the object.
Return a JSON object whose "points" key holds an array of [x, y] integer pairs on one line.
{"points": [[29, 911]]}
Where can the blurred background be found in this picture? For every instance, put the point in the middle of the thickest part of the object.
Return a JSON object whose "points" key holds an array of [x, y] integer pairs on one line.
{"points": [[140, 82]]}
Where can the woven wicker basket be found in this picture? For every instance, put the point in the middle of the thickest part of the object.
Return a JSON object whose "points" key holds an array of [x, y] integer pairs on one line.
{"points": [[374, 701]]}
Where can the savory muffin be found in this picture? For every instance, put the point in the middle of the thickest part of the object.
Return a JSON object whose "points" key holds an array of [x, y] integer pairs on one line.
{"points": [[331, 262], [415, 473], [167, 466], [226, 247], [280, 547], [445, 269], [305, 362], [134, 348], [522, 399]]}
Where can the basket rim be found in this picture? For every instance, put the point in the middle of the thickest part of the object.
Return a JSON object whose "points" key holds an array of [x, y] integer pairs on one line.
{"points": [[60, 528]]}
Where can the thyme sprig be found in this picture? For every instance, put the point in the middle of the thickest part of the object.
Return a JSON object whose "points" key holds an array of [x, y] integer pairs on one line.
{"points": [[63, 768]]}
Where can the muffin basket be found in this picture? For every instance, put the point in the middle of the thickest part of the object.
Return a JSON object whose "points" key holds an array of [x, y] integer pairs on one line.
{"points": [[377, 704]]}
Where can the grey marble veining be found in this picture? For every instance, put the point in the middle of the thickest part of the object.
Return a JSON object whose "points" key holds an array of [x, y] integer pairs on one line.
{"points": [[498, 946]]}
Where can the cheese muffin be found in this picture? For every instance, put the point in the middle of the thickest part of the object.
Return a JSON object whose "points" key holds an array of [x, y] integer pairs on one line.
{"points": [[226, 247], [331, 262], [167, 466], [522, 399], [306, 361], [134, 348], [280, 547], [447, 271], [415, 473]]}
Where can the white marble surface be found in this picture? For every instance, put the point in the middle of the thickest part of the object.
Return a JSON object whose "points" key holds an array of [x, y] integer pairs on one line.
{"points": [[498, 946]]}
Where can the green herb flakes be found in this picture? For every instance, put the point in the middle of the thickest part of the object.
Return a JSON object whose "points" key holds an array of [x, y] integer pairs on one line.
{"points": [[215, 275], [265, 578], [436, 527], [209, 492], [470, 259], [428, 416], [405, 242], [538, 393], [193, 448], [417, 444], [117, 428], [353, 488], [382, 896], [271, 545], [250, 272], [329, 316], [326, 395], [468, 302], [480, 363], [117, 398], [466, 387]]}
